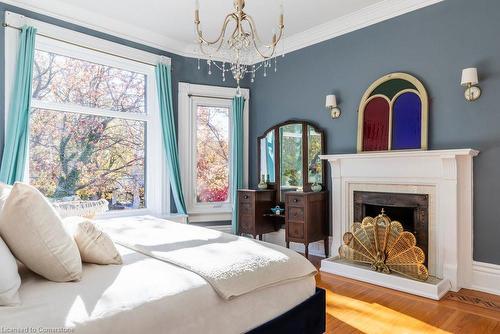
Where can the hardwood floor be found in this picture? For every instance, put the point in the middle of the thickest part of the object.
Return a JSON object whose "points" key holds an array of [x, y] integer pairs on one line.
{"points": [[358, 307]]}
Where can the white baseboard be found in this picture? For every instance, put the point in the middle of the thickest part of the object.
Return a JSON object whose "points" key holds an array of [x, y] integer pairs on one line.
{"points": [[486, 277], [278, 238]]}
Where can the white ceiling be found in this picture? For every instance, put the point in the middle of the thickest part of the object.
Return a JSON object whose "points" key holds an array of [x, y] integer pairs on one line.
{"points": [[174, 18], [168, 24]]}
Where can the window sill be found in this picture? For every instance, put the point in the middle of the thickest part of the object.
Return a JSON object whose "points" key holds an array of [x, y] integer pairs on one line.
{"points": [[220, 228], [124, 213], [175, 217], [209, 216]]}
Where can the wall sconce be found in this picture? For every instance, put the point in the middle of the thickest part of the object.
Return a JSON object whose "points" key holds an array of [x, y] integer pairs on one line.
{"points": [[331, 104], [470, 80]]}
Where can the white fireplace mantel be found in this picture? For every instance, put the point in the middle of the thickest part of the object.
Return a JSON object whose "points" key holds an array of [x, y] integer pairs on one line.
{"points": [[445, 175]]}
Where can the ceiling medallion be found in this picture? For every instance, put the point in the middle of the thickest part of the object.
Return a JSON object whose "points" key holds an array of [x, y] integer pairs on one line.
{"points": [[238, 50]]}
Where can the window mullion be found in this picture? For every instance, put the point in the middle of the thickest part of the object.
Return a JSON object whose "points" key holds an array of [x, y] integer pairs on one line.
{"points": [[73, 108]]}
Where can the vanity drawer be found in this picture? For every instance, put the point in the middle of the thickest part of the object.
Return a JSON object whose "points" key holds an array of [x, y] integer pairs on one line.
{"points": [[295, 200], [296, 230], [245, 197], [246, 208], [296, 214], [246, 223]]}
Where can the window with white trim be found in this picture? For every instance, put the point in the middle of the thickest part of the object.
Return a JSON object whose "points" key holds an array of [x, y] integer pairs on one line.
{"points": [[205, 118], [94, 123]]}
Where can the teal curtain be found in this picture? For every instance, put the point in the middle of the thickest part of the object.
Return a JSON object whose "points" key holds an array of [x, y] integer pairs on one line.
{"points": [[16, 140], [236, 156], [164, 84]]}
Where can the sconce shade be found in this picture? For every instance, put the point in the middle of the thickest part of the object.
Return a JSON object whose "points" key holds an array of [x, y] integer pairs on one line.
{"points": [[469, 76], [331, 101]]}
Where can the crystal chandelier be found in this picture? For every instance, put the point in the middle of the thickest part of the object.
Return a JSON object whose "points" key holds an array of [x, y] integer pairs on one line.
{"points": [[237, 50]]}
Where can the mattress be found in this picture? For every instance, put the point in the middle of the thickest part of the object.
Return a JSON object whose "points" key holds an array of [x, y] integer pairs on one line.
{"points": [[145, 295]]}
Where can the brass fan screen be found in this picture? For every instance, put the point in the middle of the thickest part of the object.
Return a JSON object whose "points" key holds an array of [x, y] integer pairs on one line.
{"points": [[385, 246]]}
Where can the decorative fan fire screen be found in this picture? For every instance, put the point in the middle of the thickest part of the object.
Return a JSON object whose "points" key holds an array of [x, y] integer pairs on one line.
{"points": [[384, 245]]}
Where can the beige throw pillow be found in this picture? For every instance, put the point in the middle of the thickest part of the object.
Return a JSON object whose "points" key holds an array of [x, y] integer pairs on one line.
{"points": [[95, 246], [33, 230], [4, 193], [9, 277]]}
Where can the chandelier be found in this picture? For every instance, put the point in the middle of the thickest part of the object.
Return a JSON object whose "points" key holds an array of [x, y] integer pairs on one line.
{"points": [[238, 45]]}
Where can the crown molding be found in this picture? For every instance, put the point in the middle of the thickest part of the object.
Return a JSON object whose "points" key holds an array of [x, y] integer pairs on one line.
{"points": [[362, 18]]}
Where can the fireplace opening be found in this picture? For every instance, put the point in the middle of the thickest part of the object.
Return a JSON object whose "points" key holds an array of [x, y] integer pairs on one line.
{"points": [[404, 215], [411, 210]]}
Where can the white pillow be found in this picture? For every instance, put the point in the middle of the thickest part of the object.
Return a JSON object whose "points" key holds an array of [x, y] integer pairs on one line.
{"points": [[4, 193], [32, 229], [95, 246], [9, 277]]}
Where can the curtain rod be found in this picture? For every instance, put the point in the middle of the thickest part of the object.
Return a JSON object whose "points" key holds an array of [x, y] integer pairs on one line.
{"points": [[6, 25], [213, 97]]}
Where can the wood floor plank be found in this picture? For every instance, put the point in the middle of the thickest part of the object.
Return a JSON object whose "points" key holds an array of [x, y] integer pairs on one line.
{"points": [[358, 307]]}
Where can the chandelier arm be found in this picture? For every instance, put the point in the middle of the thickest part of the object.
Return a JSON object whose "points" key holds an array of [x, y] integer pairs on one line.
{"points": [[221, 35], [273, 49], [217, 49], [252, 24], [256, 36], [263, 53], [236, 30]]}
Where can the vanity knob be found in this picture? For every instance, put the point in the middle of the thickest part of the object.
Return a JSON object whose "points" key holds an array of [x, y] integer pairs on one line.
{"points": [[295, 200], [245, 197]]}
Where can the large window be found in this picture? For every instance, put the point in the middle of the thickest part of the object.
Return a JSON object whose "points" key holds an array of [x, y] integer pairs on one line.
{"points": [[77, 153], [205, 117], [94, 125]]}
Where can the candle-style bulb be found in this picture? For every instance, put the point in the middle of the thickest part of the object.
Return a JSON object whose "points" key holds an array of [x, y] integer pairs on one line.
{"points": [[197, 4]]}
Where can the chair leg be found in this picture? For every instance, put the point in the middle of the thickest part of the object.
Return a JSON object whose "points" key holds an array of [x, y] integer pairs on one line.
{"points": [[307, 251]]}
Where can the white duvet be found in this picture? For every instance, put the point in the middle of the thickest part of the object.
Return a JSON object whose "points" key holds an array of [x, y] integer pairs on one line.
{"points": [[232, 265], [145, 295]]}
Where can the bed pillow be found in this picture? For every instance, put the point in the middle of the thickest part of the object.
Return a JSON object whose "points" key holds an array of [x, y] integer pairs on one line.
{"points": [[95, 246], [33, 230], [4, 193], [9, 277]]}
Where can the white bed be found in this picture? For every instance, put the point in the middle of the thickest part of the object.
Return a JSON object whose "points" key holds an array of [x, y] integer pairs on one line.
{"points": [[146, 295]]}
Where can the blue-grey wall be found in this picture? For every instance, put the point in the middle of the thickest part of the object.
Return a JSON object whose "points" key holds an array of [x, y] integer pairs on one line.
{"points": [[433, 44], [183, 69]]}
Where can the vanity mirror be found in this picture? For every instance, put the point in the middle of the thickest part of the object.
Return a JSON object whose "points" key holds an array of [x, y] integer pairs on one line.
{"points": [[288, 157]]}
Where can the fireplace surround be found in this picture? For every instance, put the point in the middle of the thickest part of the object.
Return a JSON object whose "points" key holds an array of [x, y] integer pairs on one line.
{"points": [[445, 177]]}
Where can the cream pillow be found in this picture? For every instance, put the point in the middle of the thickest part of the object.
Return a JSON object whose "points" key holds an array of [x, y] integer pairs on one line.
{"points": [[4, 193], [32, 229], [9, 277], [95, 246]]}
